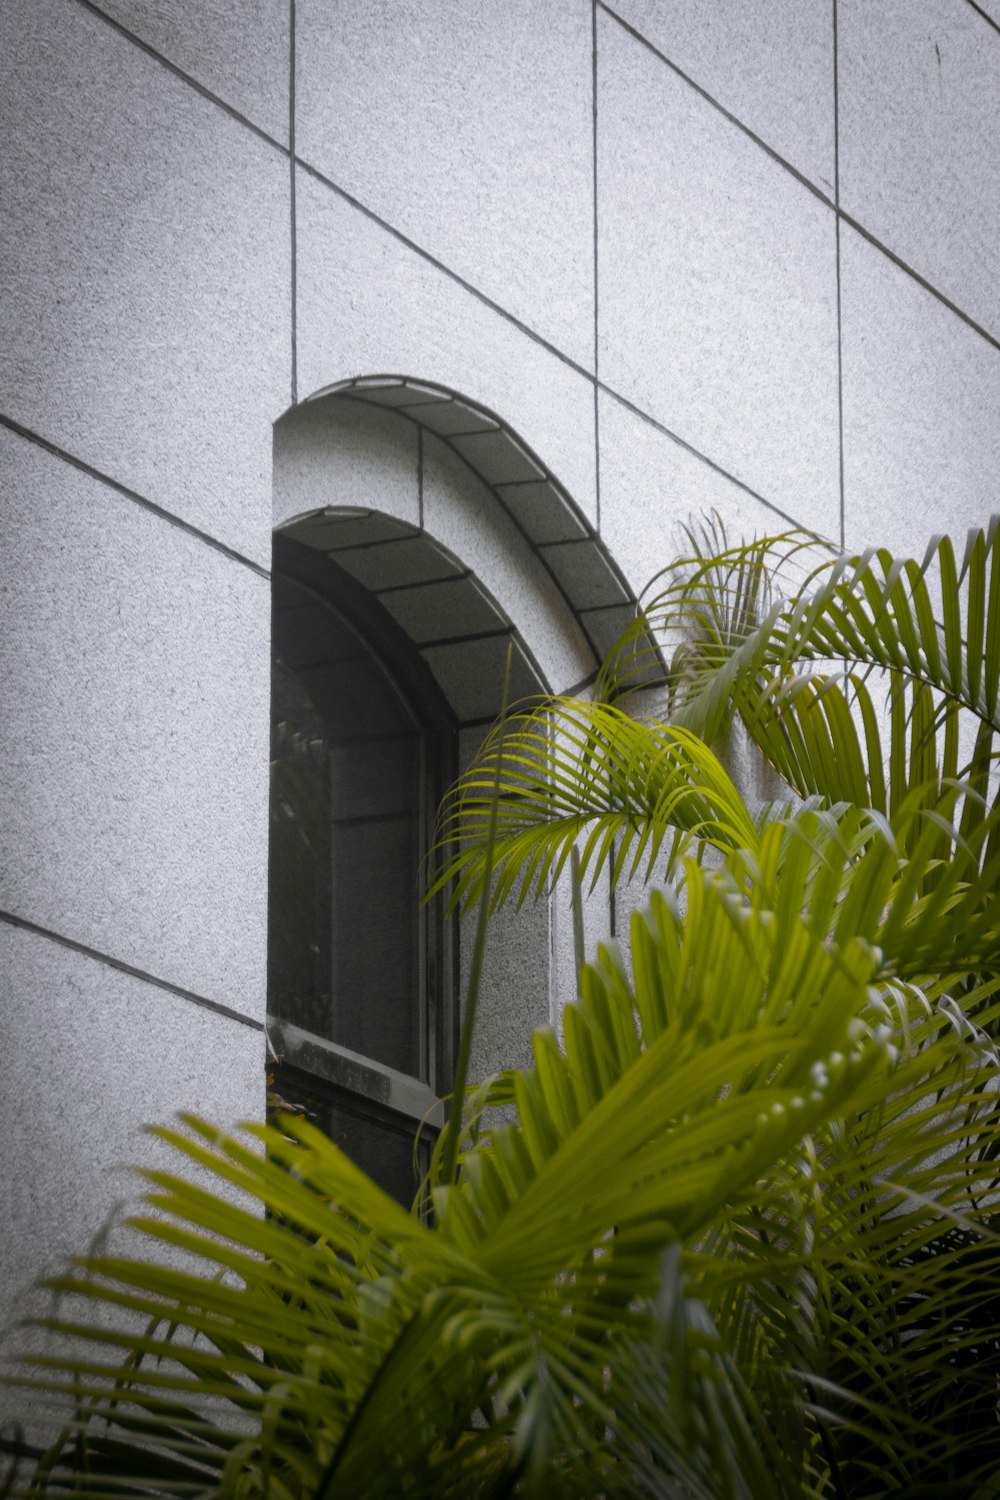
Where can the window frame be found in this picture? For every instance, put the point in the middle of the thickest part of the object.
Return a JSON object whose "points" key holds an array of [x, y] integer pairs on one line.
{"points": [[354, 1079]]}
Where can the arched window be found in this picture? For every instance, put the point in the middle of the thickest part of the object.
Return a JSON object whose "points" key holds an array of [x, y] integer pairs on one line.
{"points": [[360, 991], [418, 538]]}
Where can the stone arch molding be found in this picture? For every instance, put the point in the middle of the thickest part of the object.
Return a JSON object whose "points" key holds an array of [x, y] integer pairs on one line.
{"points": [[459, 530]]}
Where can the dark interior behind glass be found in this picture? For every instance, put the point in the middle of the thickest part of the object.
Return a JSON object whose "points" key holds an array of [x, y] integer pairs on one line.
{"points": [[354, 957]]}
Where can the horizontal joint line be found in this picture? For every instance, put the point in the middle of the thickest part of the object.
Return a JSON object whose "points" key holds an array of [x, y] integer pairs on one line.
{"points": [[122, 489], [695, 452], [123, 968], [464, 640], [171, 67], [439, 265]]}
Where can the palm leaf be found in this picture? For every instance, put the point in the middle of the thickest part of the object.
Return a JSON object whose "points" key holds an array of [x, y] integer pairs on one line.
{"points": [[362, 1342], [930, 631], [738, 1237], [581, 775]]}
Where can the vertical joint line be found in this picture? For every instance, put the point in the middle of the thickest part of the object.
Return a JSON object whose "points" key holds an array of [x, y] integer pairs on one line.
{"points": [[291, 198], [613, 893], [420, 476], [840, 326], [597, 434]]}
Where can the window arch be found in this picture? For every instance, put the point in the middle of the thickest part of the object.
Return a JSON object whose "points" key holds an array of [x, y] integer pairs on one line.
{"points": [[432, 513]]}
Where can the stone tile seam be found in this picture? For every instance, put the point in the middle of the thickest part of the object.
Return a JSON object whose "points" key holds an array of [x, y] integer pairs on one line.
{"points": [[921, 281], [469, 286], [536, 549], [511, 631], [294, 309], [202, 1001], [580, 611], [192, 82], [421, 583], [605, 609], [597, 281], [516, 522], [386, 541], [612, 901], [106, 480], [987, 18], [440, 265], [514, 637], [840, 320], [508, 633], [35, 438], [497, 307], [703, 457], [811, 187], [720, 108], [581, 686], [204, 537]]}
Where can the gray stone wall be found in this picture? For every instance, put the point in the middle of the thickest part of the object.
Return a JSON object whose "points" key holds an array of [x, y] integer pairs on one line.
{"points": [[730, 256]]}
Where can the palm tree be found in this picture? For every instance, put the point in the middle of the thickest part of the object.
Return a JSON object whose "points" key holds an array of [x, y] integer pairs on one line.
{"points": [[735, 1235]]}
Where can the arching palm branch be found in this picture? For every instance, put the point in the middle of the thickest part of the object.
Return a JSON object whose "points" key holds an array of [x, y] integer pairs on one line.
{"points": [[698, 1263], [737, 1238], [583, 775], [928, 632], [922, 760]]}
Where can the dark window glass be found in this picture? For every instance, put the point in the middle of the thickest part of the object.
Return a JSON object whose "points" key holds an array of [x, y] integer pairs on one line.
{"points": [[354, 958], [381, 1143]]}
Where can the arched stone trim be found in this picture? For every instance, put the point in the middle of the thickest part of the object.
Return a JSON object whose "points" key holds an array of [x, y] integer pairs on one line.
{"points": [[570, 550], [458, 532], [419, 583]]}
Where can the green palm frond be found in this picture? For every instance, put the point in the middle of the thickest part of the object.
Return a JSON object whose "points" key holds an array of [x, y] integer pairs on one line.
{"points": [[738, 1231], [930, 631], [669, 1234], [705, 608], [582, 775]]}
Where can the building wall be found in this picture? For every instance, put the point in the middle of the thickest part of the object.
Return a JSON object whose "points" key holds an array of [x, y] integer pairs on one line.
{"points": [[696, 256]]}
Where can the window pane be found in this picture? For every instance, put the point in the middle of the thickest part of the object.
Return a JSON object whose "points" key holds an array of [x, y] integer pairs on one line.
{"points": [[299, 858], [376, 905], [380, 1142], [345, 909]]}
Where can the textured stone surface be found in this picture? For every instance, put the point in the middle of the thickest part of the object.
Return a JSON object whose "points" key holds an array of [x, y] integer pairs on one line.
{"points": [[585, 575], [135, 663], [471, 676], [369, 305], [514, 991], [770, 64], [540, 511], [921, 410], [920, 140], [236, 48], [596, 929], [338, 452], [438, 611], [517, 973], [651, 486], [91, 1055], [530, 966], [462, 513], [468, 128], [144, 255], [718, 295]]}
